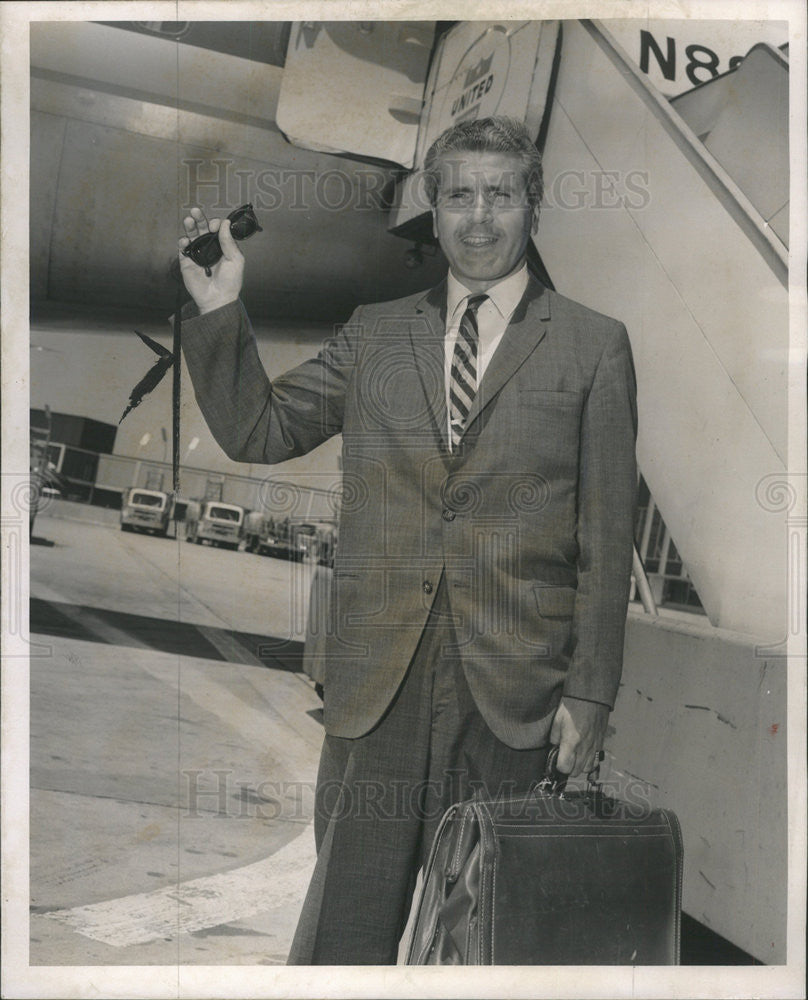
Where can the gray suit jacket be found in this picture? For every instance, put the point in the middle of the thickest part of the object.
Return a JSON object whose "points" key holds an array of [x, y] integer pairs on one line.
{"points": [[531, 521]]}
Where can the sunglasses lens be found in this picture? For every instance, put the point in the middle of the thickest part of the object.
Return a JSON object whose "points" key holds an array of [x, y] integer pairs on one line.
{"points": [[243, 223], [204, 250]]}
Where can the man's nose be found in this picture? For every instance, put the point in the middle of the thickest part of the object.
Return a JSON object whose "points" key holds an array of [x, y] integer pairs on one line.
{"points": [[481, 208]]}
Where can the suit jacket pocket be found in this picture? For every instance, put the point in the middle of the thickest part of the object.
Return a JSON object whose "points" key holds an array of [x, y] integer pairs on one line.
{"points": [[551, 421], [553, 601]]}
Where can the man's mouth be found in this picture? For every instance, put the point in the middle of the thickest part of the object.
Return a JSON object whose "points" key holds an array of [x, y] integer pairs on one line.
{"points": [[478, 241]]}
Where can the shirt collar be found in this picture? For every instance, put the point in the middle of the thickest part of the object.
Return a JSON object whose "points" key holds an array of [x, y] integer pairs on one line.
{"points": [[505, 294]]}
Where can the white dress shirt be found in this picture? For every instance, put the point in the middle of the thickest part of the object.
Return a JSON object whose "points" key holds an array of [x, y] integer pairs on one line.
{"points": [[493, 317]]}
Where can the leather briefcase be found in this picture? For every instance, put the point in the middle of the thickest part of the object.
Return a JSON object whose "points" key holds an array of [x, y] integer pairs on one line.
{"points": [[551, 878]]}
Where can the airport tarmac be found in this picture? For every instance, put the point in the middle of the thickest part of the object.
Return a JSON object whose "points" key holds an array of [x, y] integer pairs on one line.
{"points": [[174, 747], [174, 742]]}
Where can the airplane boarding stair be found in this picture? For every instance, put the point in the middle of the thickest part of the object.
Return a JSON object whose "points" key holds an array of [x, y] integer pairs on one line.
{"points": [[678, 252], [673, 216]]}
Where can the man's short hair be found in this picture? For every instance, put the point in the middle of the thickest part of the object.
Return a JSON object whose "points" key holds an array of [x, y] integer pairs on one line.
{"points": [[487, 135]]}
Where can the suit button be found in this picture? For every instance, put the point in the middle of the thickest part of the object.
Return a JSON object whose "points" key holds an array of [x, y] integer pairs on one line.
{"points": [[448, 514], [427, 587]]}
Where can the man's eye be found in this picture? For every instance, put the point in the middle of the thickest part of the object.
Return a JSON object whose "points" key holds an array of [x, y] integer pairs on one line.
{"points": [[458, 197]]}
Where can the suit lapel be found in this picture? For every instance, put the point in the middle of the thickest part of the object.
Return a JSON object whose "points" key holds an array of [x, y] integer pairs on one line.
{"points": [[525, 331], [427, 339]]}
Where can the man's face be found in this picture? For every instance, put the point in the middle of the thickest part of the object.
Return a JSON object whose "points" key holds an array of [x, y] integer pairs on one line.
{"points": [[482, 217]]}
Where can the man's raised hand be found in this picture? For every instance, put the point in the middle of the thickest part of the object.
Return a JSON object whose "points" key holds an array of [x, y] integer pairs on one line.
{"points": [[227, 275]]}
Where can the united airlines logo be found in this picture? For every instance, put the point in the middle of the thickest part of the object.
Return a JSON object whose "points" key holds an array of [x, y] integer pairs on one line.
{"points": [[476, 84], [478, 81]]}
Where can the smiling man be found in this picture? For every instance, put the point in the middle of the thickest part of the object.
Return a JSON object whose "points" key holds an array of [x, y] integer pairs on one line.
{"points": [[482, 576], [483, 214]]}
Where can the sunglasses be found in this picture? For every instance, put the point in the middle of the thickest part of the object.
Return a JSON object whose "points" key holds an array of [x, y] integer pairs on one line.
{"points": [[206, 250]]}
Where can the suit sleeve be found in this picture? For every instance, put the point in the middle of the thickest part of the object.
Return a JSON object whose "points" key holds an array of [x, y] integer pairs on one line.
{"points": [[251, 418], [607, 492]]}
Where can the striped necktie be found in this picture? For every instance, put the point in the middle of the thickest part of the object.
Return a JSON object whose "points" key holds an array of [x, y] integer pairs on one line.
{"points": [[463, 379]]}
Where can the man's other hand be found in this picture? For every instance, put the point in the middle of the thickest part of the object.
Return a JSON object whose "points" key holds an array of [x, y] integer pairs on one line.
{"points": [[224, 284], [578, 730]]}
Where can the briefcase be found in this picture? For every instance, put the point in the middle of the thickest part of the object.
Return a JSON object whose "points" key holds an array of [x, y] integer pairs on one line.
{"points": [[551, 878]]}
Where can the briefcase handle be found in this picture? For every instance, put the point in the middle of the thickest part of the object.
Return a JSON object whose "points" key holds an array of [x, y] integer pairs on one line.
{"points": [[554, 781]]}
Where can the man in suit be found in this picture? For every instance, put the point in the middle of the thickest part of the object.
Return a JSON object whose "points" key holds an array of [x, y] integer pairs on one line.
{"points": [[485, 542]]}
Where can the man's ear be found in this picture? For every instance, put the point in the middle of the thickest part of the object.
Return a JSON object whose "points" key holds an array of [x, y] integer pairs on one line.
{"points": [[534, 221], [434, 222]]}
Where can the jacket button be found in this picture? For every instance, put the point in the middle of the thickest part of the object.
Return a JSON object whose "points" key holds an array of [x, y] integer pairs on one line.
{"points": [[427, 587], [448, 514]]}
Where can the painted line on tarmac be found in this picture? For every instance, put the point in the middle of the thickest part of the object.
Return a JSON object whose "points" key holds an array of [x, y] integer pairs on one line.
{"points": [[278, 881], [73, 621], [229, 648]]}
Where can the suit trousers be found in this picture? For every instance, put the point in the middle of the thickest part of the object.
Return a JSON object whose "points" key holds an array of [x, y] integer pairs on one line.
{"points": [[380, 798]]}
